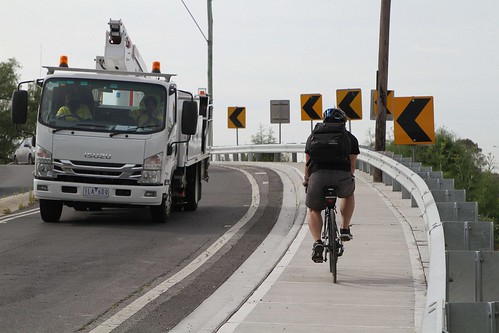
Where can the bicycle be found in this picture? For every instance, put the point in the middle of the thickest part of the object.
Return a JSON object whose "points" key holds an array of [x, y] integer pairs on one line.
{"points": [[330, 232]]}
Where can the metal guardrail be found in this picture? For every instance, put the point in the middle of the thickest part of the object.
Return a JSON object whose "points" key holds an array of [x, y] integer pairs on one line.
{"points": [[264, 148], [433, 320]]}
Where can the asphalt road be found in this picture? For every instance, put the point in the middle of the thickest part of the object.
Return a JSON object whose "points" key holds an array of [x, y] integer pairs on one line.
{"points": [[73, 275]]}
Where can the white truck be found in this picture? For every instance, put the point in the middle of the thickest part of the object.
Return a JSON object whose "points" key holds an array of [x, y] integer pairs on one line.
{"points": [[107, 156]]}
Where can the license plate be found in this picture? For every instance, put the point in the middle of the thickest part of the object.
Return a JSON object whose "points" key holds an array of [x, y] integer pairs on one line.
{"points": [[96, 192]]}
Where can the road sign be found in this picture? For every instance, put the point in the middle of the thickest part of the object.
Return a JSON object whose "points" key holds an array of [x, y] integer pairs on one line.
{"points": [[237, 117], [350, 101], [414, 120], [279, 111], [311, 106], [389, 104]]}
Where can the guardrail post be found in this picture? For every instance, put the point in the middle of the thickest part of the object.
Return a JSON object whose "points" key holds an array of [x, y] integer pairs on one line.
{"points": [[472, 317], [472, 276], [458, 211], [466, 236], [449, 195]]}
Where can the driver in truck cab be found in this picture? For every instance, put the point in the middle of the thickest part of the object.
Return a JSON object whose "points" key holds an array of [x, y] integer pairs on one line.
{"points": [[73, 110], [148, 114]]}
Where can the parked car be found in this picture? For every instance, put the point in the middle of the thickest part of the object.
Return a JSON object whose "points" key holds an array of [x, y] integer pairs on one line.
{"points": [[25, 153]]}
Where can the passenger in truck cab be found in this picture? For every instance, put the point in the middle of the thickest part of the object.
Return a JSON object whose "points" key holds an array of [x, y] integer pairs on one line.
{"points": [[73, 110], [148, 114]]}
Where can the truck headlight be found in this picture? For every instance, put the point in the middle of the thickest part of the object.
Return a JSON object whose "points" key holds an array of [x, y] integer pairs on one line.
{"points": [[44, 166], [151, 172]]}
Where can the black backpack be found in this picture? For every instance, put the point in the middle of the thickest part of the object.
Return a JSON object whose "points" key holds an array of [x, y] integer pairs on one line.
{"points": [[329, 143]]}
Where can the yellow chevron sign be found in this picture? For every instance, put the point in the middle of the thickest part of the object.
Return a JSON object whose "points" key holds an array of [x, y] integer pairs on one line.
{"points": [[350, 101], [414, 120], [236, 117], [311, 106]]}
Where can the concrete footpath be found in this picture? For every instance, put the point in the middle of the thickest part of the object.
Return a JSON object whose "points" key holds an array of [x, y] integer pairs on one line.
{"points": [[381, 278]]}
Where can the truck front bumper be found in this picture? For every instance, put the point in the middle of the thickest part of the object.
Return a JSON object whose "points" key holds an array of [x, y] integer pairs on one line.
{"points": [[104, 194]]}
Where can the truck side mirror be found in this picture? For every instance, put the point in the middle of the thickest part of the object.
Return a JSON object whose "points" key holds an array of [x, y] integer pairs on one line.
{"points": [[189, 117], [19, 106]]}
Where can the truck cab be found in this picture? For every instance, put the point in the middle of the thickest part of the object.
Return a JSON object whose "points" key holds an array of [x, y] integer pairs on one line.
{"points": [[117, 138]]}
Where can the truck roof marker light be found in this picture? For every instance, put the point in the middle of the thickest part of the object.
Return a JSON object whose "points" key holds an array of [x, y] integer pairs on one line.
{"points": [[156, 67], [63, 61]]}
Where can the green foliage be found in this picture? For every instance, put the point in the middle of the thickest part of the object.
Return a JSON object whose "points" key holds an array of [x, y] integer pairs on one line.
{"points": [[264, 136], [9, 135], [462, 160]]}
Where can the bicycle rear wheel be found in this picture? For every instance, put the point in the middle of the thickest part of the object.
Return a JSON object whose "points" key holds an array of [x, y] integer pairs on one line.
{"points": [[332, 246]]}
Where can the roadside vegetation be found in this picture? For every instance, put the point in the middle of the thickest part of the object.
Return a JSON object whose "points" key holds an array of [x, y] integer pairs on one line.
{"points": [[10, 136], [462, 160]]}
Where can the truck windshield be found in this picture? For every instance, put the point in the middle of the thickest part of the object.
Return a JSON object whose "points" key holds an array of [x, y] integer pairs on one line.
{"points": [[103, 106]]}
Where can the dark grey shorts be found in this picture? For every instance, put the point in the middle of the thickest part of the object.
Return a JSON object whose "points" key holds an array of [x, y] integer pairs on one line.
{"points": [[343, 180]]}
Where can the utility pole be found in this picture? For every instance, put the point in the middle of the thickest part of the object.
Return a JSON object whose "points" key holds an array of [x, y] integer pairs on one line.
{"points": [[210, 68], [382, 82]]}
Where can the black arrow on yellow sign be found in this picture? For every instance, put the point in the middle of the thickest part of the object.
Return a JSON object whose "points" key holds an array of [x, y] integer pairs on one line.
{"points": [[345, 104], [233, 117], [407, 120], [308, 107]]}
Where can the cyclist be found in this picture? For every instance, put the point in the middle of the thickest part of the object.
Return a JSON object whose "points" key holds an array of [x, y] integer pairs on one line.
{"points": [[339, 174]]}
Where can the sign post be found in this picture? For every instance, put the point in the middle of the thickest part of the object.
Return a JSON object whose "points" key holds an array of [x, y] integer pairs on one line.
{"points": [[279, 113], [236, 118]]}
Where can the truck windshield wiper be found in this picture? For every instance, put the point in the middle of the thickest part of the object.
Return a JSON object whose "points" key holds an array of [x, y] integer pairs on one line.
{"points": [[77, 126], [119, 132]]}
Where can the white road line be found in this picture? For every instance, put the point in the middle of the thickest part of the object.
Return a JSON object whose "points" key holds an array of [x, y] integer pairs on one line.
{"points": [[121, 316], [11, 217]]}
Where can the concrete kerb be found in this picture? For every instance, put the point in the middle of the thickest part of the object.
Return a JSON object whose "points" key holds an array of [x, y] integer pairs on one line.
{"points": [[13, 203]]}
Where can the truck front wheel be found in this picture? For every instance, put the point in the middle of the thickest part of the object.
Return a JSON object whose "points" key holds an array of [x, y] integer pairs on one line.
{"points": [[50, 210], [161, 213]]}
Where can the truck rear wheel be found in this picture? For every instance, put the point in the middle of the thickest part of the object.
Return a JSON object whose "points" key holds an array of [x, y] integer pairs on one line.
{"points": [[160, 214], [193, 190], [50, 210]]}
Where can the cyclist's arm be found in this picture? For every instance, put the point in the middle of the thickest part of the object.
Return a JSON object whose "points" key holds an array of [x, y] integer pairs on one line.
{"points": [[353, 159], [305, 177]]}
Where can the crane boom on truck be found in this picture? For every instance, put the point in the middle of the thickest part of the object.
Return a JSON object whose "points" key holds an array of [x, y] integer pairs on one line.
{"points": [[117, 135]]}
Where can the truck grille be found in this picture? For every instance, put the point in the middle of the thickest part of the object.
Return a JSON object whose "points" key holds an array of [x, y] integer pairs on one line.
{"points": [[97, 172]]}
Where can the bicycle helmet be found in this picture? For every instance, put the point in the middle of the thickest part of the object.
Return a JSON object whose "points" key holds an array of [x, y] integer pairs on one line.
{"points": [[334, 115]]}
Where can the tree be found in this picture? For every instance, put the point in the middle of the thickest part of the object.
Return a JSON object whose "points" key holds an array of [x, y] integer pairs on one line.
{"points": [[8, 84], [9, 135], [263, 136], [464, 161]]}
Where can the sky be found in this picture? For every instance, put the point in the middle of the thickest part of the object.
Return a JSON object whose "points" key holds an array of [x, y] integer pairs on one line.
{"points": [[267, 50]]}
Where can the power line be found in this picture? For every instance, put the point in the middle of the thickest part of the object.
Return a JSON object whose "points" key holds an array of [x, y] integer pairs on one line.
{"points": [[206, 39]]}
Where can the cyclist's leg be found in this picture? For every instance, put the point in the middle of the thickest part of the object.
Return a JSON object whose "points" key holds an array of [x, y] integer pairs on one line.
{"points": [[315, 203], [315, 226], [315, 223], [346, 189], [347, 206]]}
